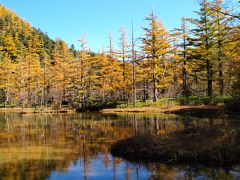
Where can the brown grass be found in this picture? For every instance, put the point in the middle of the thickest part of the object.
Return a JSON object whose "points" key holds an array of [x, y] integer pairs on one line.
{"points": [[213, 145], [170, 109]]}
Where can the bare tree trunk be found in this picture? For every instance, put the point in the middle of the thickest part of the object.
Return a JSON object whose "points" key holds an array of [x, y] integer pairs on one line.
{"points": [[44, 84], [145, 90], [133, 70], [220, 64], [220, 76], [154, 86], [208, 62], [29, 81], [123, 43], [209, 77], [184, 72]]}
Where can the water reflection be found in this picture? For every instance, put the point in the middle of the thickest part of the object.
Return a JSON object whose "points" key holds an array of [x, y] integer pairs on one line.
{"points": [[76, 146], [96, 167], [162, 171]]}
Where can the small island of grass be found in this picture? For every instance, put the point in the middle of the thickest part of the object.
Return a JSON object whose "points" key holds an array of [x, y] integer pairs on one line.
{"points": [[211, 145]]}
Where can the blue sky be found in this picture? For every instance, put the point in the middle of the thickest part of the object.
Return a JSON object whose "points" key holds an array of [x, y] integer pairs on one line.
{"points": [[71, 19]]}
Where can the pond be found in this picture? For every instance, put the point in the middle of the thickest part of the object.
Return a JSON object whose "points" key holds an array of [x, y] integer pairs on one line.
{"points": [[77, 146]]}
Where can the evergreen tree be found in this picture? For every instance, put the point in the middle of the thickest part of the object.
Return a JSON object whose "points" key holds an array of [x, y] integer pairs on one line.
{"points": [[203, 40], [156, 47]]}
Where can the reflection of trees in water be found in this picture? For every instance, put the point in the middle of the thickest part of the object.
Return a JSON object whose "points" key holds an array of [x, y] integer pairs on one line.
{"points": [[27, 170], [74, 137], [163, 171]]}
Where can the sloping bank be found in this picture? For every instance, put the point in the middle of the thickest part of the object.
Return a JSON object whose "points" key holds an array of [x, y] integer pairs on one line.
{"points": [[212, 145]]}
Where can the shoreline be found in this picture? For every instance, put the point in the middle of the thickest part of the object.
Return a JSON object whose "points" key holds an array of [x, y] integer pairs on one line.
{"points": [[170, 109], [198, 111], [36, 110]]}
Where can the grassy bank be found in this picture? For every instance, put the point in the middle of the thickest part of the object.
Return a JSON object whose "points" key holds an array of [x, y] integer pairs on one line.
{"points": [[180, 101], [212, 145], [179, 110], [168, 105], [226, 104]]}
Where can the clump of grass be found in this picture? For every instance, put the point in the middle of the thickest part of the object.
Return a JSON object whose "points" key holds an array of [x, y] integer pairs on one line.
{"points": [[210, 112], [203, 144]]}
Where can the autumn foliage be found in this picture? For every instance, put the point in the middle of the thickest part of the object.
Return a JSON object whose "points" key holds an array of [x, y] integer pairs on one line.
{"points": [[202, 60]]}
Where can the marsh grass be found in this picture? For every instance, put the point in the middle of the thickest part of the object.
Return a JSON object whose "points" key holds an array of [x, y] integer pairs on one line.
{"points": [[212, 145]]}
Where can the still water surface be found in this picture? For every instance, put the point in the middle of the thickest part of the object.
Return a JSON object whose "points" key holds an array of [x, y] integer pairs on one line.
{"points": [[77, 146]]}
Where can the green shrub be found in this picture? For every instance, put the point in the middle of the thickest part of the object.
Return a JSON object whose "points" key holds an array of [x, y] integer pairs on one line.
{"points": [[97, 105], [149, 103], [233, 104], [202, 100], [191, 100], [2, 105]]}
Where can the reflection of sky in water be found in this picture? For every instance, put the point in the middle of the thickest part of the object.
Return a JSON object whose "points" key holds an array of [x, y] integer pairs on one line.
{"points": [[98, 170], [235, 173]]}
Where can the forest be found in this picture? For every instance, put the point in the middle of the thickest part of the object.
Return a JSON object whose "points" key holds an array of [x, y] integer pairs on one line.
{"points": [[199, 59]]}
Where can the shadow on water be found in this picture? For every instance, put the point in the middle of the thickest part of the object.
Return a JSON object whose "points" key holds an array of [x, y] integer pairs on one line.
{"points": [[77, 146]]}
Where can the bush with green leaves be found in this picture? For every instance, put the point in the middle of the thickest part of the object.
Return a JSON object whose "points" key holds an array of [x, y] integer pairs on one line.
{"points": [[202, 100], [233, 104]]}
